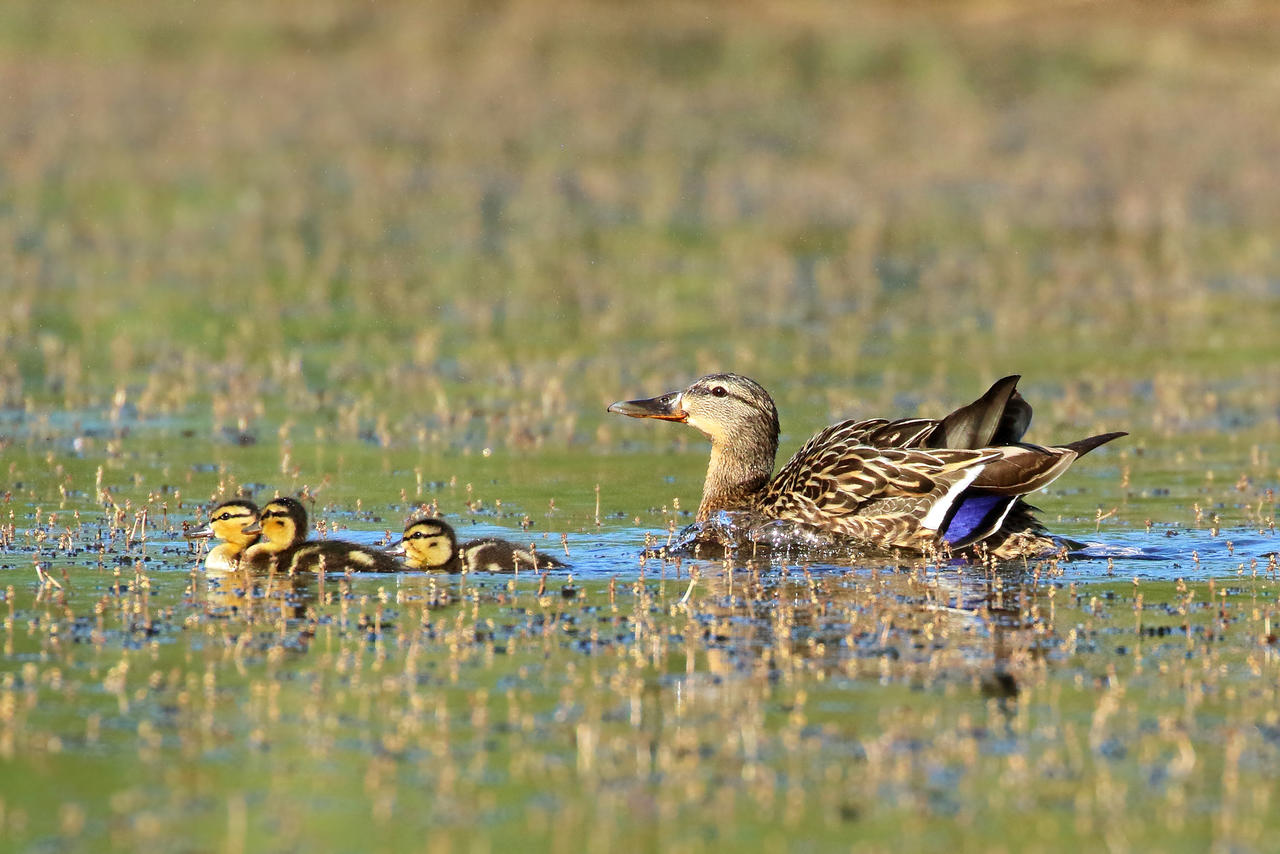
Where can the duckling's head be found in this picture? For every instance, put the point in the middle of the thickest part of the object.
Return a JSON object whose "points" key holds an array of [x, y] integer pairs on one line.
{"points": [[727, 408], [427, 544], [231, 521], [283, 523]]}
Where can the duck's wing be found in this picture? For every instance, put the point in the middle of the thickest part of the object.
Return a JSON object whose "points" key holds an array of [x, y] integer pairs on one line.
{"points": [[994, 513], [1024, 468], [888, 496], [883, 433], [999, 417], [992, 505]]}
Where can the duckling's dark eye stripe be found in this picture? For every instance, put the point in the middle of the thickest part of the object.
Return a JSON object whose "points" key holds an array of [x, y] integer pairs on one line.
{"points": [[275, 514]]}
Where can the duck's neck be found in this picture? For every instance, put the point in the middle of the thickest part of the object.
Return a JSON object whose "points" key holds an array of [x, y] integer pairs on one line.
{"points": [[736, 473]]}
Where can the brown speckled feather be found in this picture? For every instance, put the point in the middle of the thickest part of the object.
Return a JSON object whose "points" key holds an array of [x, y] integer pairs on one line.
{"points": [[878, 494], [999, 417]]}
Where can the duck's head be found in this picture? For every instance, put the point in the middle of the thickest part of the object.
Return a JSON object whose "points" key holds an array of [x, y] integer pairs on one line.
{"points": [[427, 544], [282, 523], [727, 408], [233, 522]]}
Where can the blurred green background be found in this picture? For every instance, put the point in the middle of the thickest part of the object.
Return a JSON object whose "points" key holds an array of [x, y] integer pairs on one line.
{"points": [[406, 217], [399, 253]]}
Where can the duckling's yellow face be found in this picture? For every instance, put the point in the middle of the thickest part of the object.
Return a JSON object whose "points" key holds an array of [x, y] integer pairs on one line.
{"points": [[283, 524], [228, 522], [428, 544]]}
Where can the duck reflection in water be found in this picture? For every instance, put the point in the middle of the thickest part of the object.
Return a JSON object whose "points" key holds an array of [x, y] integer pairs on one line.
{"points": [[929, 626]]}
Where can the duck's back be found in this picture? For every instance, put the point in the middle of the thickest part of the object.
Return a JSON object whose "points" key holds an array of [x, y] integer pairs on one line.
{"points": [[494, 555], [335, 556], [883, 495], [1000, 417]]}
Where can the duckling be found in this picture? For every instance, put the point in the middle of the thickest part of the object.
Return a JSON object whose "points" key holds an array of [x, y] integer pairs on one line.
{"points": [[917, 484], [283, 523], [430, 543], [235, 523]]}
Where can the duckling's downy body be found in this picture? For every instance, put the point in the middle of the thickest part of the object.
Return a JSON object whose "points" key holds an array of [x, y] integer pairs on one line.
{"points": [[228, 522], [284, 539], [431, 544], [918, 483]]}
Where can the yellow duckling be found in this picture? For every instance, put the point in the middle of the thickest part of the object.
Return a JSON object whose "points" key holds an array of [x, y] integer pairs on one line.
{"points": [[431, 544], [283, 523], [235, 523]]}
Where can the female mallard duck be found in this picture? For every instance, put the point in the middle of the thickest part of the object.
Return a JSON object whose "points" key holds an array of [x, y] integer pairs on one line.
{"points": [[283, 523], [430, 543], [916, 483], [228, 522]]}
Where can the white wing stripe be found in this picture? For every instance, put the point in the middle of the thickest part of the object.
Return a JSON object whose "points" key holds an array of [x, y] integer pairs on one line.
{"points": [[938, 511]]}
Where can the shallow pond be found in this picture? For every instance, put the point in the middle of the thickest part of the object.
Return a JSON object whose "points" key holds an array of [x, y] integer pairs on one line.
{"points": [[625, 701], [397, 256]]}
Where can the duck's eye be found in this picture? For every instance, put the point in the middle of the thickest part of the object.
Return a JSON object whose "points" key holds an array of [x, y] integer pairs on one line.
{"points": [[719, 391]]}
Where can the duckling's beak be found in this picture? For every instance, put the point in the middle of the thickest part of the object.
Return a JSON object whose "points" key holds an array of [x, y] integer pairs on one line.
{"points": [[396, 549], [252, 528], [199, 533], [667, 407]]}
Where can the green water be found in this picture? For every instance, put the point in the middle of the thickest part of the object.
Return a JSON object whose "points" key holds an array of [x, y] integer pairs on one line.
{"points": [[396, 258], [622, 703]]}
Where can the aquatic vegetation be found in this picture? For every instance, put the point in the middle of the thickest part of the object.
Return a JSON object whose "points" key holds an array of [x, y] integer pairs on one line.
{"points": [[397, 258], [777, 699]]}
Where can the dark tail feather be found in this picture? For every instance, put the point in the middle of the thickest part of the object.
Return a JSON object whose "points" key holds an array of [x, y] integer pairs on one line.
{"points": [[1014, 422], [1084, 446], [987, 421]]}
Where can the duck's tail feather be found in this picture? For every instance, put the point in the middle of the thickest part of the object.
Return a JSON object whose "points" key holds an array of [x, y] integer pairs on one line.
{"points": [[1084, 446], [999, 417]]}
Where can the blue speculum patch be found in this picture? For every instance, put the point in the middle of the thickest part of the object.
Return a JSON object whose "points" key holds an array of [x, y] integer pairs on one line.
{"points": [[974, 516]]}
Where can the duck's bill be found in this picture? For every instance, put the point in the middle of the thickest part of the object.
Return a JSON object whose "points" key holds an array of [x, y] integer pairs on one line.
{"points": [[667, 407], [252, 528], [199, 533], [395, 549]]}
